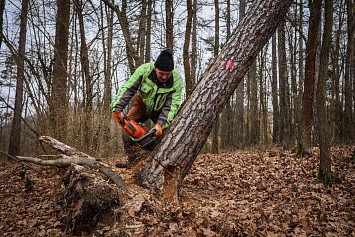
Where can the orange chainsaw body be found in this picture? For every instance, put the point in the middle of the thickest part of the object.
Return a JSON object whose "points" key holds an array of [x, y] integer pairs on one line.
{"points": [[134, 129]]}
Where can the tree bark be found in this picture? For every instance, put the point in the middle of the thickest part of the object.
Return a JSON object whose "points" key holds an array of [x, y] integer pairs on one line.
{"points": [[275, 99], [85, 67], [142, 32], [349, 76], [186, 55], [2, 9], [301, 76], [337, 123], [194, 46], [148, 31], [189, 130], [132, 55], [227, 121], [283, 80], [323, 128], [107, 55], [254, 118], [215, 130], [309, 81], [169, 11], [239, 116], [58, 104], [15, 136]]}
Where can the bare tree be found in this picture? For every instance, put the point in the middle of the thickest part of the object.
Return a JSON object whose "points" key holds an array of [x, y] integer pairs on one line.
{"points": [[15, 137], [283, 80], [148, 31], [142, 32], [215, 131], [186, 55], [2, 9], [349, 120], [85, 66], [132, 55], [322, 118], [169, 11], [194, 46], [309, 81], [58, 104], [239, 115], [275, 99]]}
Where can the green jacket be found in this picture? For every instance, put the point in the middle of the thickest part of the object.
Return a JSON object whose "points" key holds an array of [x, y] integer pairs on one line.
{"points": [[165, 97]]}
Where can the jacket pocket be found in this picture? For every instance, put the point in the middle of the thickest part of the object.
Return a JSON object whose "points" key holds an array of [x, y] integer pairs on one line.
{"points": [[160, 101], [145, 91]]}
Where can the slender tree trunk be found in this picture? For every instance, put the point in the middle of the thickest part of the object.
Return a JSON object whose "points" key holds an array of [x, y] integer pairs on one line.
{"points": [[275, 100], [293, 97], [107, 60], [323, 128], [284, 109], [336, 69], [349, 121], [228, 110], [215, 131], [132, 55], [169, 24], [15, 136], [186, 55], [148, 31], [142, 32], [194, 46], [189, 130], [106, 114], [262, 91], [227, 121], [59, 100], [301, 77], [239, 117], [88, 81], [2, 9], [254, 118], [308, 93]]}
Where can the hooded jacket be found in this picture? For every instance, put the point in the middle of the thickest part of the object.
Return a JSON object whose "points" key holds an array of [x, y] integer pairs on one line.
{"points": [[165, 97]]}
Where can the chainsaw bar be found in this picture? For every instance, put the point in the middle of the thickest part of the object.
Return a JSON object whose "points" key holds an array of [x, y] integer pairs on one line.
{"points": [[146, 141]]}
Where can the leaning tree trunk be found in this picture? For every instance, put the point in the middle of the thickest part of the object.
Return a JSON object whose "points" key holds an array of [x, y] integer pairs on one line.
{"points": [[173, 158]]}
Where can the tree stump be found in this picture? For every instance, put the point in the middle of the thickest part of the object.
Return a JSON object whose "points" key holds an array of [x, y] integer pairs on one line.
{"points": [[88, 200]]}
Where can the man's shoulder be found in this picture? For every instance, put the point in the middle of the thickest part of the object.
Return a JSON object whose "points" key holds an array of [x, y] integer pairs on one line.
{"points": [[146, 68]]}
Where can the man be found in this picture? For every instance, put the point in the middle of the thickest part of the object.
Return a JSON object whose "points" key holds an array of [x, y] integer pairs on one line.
{"points": [[157, 89]]}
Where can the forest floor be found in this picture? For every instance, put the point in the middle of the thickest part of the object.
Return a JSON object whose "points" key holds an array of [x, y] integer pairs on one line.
{"points": [[247, 193]]}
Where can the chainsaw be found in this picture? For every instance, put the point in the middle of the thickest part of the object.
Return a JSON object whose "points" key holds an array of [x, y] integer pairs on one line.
{"points": [[139, 133]]}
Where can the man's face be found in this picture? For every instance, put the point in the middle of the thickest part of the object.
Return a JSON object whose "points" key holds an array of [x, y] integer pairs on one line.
{"points": [[163, 76]]}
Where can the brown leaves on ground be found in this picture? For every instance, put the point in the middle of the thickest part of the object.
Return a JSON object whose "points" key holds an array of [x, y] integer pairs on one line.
{"points": [[249, 193]]}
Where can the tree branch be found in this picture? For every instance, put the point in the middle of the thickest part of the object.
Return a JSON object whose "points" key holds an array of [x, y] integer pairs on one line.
{"points": [[71, 156]]}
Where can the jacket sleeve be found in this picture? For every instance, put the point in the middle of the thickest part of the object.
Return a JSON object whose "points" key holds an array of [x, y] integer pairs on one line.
{"points": [[172, 104], [128, 90]]}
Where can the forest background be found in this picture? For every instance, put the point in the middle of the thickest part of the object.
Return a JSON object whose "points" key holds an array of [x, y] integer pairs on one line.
{"points": [[63, 61]]}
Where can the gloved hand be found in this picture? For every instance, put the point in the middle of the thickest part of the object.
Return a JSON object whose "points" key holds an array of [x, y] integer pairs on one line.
{"points": [[118, 116], [158, 130]]}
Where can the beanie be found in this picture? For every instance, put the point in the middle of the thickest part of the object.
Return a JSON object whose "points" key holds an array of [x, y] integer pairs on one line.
{"points": [[165, 61]]}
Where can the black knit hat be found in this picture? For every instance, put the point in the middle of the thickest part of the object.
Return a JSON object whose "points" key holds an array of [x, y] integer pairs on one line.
{"points": [[165, 61]]}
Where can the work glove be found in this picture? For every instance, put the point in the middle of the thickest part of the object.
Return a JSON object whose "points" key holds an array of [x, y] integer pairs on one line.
{"points": [[158, 130], [119, 117]]}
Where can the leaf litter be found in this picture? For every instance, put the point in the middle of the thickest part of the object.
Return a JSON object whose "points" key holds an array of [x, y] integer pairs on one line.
{"points": [[246, 193]]}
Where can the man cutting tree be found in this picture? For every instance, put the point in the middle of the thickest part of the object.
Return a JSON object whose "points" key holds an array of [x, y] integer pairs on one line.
{"points": [[157, 89]]}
